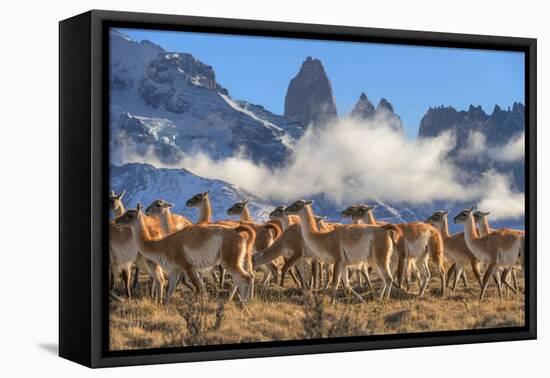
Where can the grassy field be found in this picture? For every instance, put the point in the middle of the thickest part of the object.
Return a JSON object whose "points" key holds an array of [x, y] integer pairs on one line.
{"points": [[285, 314]]}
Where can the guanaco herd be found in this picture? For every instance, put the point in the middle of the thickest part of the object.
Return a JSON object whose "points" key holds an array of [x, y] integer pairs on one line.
{"points": [[316, 253]]}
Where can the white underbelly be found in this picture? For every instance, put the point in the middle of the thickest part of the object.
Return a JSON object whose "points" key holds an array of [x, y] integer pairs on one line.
{"points": [[207, 254], [123, 253], [456, 256], [160, 259], [416, 247], [358, 251], [508, 256]]}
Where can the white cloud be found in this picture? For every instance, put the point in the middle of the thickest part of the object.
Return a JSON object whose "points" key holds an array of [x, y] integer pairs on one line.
{"points": [[351, 160], [499, 199], [512, 151], [476, 147]]}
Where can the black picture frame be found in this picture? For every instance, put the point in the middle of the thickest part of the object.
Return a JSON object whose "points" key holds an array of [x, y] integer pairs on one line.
{"points": [[83, 180]]}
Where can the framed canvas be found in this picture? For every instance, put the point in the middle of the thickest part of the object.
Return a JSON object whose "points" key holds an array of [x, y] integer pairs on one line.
{"points": [[235, 188]]}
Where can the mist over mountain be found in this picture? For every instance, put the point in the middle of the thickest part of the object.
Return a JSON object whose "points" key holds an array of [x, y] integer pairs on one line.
{"points": [[481, 138], [365, 110]]}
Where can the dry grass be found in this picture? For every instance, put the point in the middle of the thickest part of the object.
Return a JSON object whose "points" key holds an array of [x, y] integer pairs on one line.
{"points": [[285, 314]]}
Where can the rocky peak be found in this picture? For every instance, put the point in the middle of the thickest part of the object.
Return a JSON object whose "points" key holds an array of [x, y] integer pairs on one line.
{"points": [[383, 114], [518, 108], [363, 108], [476, 112], [169, 66], [384, 104], [309, 98]]}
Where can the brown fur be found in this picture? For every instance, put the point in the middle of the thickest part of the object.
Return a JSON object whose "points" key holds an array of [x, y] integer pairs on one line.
{"points": [[498, 248], [345, 245], [455, 246], [184, 250], [409, 233], [202, 201]]}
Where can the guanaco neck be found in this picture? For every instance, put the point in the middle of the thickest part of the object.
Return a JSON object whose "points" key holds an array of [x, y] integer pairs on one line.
{"points": [[166, 222], [119, 210], [484, 226], [143, 239], [307, 220], [366, 219], [205, 215], [470, 232], [245, 215], [445, 229], [370, 217]]}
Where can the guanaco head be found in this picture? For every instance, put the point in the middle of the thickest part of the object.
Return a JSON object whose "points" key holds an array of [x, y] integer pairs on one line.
{"points": [[479, 215], [277, 213], [197, 200], [115, 202], [297, 207], [463, 216], [130, 217], [362, 211], [158, 207], [237, 208], [349, 212], [437, 218]]}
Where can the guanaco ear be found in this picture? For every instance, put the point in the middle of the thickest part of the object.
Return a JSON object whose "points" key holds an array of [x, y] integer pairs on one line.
{"points": [[112, 194], [245, 201], [310, 202], [168, 204], [205, 194], [121, 195], [471, 208], [374, 208], [139, 208], [447, 212]]}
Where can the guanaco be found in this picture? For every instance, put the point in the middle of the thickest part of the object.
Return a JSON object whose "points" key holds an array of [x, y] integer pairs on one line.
{"points": [[420, 242], [347, 245], [455, 249], [290, 245], [202, 202], [500, 249], [123, 252], [482, 220], [192, 249]]}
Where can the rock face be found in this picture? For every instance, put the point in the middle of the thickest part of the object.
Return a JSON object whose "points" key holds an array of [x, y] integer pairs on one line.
{"points": [[165, 106], [363, 109], [169, 72], [491, 131], [498, 127], [382, 114], [309, 98]]}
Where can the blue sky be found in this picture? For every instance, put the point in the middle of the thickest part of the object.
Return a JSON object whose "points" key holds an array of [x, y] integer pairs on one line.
{"points": [[258, 70]]}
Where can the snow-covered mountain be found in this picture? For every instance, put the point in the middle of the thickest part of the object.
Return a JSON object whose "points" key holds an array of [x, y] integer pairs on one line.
{"points": [[145, 183], [166, 106], [174, 106]]}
